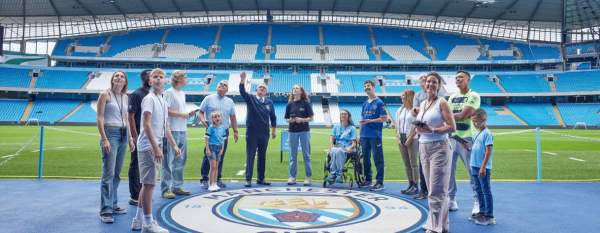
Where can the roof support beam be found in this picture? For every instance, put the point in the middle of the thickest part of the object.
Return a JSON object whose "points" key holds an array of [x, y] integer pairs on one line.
{"points": [[335, 3], [230, 5], [203, 3], [502, 13], [147, 8], [360, 5], [307, 6], [177, 7], [413, 8], [257, 6], [535, 10], [282, 7], [439, 12], [386, 9], [89, 12], [468, 15], [57, 16]]}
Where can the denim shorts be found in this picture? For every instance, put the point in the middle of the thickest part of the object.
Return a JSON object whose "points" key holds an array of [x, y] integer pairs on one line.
{"points": [[215, 151]]}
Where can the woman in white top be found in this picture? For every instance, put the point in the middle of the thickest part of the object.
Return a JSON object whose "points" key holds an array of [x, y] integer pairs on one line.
{"points": [[114, 136], [433, 124], [408, 148]]}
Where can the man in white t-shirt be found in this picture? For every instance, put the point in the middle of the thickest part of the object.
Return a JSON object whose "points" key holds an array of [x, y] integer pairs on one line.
{"points": [[150, 153], [172, 166]]}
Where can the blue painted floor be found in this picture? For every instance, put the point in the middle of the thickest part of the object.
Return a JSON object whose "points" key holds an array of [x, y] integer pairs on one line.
{"points": [[73, 205]]}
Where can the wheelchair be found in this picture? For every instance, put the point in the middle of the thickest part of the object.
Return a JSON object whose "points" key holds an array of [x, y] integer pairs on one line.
{"points": [[352, 173]]}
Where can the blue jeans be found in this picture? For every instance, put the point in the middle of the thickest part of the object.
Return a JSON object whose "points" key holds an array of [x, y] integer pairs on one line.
{"points": [[481, 184], [111, 167], [338, 158], [172, 167], [304, 139], [375, 146]]}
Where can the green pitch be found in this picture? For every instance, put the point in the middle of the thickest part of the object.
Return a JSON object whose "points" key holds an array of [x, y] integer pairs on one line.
{"points": [[73, 152]]}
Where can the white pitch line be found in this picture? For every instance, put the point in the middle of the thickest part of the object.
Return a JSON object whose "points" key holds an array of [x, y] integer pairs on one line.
{"points": [[576, 159], [550, 153], [240, 173]]}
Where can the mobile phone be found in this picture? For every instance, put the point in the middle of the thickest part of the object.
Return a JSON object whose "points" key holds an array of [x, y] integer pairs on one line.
{"points": [[419, 123]]}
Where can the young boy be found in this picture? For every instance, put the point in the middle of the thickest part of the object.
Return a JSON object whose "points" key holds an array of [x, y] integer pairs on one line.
{"points": [[155, 127], [481, 169]]}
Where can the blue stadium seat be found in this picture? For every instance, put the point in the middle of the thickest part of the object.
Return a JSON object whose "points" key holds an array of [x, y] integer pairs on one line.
{"points": [[62, 79], [535, 114], [572, 113], [524, 83], [12, 77], [578, 81], [12, 110], [51, 110]]}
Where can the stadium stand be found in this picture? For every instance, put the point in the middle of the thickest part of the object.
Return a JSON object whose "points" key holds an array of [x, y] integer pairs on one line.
{"points": [[391, 40], [535, 114], [524, 82], [497, 117], [62, 79], [12, 77], [577, 81], [121, 43], [444, 43], [572, 113], [246, 47], [482, 84], [51, 110], [12, 109], [86, 114]]}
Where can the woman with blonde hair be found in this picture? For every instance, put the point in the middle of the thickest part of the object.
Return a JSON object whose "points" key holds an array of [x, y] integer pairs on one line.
{"points": [[298, 113], [112, 120], [408, 148]]}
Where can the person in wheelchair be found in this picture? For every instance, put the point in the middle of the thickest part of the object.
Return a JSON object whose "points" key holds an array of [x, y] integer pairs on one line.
{"points": [[342, 143]]}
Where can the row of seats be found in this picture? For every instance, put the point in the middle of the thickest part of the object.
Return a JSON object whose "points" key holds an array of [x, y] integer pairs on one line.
{"points": [[571, 81], [447, 46], [534, 114]]}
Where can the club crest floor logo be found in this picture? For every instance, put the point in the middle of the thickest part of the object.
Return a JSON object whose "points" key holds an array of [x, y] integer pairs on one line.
{"points": [[293, 209]]}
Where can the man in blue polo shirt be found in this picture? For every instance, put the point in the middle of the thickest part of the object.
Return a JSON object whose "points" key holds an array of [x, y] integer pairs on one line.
{"points": [[371, 125]]}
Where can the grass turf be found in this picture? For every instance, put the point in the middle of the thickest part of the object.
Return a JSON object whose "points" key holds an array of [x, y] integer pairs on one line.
{"points": [[74, 152]]}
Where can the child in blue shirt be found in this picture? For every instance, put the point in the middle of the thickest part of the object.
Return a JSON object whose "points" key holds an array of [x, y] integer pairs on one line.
{"points": [[481, 169], [214, 138]]}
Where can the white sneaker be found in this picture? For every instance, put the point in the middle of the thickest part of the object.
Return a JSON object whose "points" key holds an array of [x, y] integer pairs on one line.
{"points": [[291, 181], [136, 224], [475, 208], [153, 228], [213, 188], [452, 205], [307, 181]]}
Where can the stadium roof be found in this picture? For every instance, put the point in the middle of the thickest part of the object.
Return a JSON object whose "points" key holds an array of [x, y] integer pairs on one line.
{"points": [[525, 20], [520, 10]]}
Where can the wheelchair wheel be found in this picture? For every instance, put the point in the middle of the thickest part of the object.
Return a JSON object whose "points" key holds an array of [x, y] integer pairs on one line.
{"points": [[326, 170], [359, 176]]}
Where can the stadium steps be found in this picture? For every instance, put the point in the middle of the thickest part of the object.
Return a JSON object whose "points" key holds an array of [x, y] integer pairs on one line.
{"points": [[269, 40], [499, 85], [213, 53], [507, 111], [72, 112], [33, 82], [27, 112], [552, 86], [432, 53], [557, 114], [374, 44], [104, 46], [321, 36]]}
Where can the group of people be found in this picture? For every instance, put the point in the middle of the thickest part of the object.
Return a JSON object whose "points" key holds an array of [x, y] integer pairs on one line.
{"points": [[432, 134]]}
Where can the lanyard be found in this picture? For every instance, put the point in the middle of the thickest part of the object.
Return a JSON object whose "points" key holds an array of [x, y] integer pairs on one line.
{"points": [[427, 108]]}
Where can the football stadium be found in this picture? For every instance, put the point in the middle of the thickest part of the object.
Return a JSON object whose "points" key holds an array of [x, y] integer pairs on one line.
{"points": [[361, 115]]}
